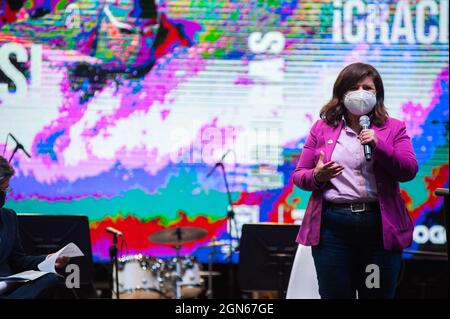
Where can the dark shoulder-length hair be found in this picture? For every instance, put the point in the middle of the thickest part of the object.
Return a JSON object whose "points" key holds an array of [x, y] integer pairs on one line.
{"points": [[334, 110]]}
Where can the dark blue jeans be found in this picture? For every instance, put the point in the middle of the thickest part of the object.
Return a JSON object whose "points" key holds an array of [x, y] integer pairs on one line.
{"points": [[41, 288], [349, 243]]}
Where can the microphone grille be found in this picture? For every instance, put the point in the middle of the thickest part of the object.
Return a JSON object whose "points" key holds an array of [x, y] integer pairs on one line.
{"points": [[364, 120]]}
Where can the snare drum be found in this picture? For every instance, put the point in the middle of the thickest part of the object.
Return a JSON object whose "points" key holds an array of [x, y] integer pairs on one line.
{"points": [[191, 282], [139, 277]]}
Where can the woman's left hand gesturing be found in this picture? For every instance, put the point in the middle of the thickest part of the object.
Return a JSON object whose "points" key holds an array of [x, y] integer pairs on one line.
{"points": [[368, 136]]}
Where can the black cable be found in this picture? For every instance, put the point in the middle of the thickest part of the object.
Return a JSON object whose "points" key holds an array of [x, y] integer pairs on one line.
{"points": [[126, 245]]}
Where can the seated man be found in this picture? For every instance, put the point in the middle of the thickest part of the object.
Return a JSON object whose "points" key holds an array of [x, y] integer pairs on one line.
{"points": [[12, 256]]}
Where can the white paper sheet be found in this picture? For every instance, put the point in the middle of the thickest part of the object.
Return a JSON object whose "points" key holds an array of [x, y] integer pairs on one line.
{"points": [[45, 267], [24, 276], [70, 250], [3, 287], [303, 281]]}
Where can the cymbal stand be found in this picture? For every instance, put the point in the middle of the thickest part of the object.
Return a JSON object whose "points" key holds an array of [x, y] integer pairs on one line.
{"points": [[209, 292], [178, 266]]}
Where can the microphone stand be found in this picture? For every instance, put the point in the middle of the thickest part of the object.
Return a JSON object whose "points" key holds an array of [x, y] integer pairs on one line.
{"points": [[14, 152], [230, 217], [115, 264], [19, 146]]}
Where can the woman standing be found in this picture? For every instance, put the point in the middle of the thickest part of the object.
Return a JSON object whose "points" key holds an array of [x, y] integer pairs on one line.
{"points": [[355, 219]]}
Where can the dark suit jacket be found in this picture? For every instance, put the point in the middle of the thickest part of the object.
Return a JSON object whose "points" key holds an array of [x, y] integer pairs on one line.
{"points": [[12, 256]]}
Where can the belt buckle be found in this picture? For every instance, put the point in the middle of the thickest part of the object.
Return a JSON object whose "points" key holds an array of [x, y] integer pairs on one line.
{"points": [[358, 210]]}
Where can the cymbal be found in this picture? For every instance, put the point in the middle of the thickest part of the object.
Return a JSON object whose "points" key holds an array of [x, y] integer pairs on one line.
{"points": [[214, 244], [212, 273], [178, 235]]}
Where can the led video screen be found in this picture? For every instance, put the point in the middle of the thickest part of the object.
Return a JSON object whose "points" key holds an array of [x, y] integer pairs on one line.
{"points": [[125, 106]]}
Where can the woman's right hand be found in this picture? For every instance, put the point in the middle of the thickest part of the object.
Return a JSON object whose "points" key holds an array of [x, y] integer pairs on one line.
{"points": [[323, 172]]}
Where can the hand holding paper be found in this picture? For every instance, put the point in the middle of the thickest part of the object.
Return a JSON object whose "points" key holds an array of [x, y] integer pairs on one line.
{"points": [[71, 250], [61, 262], [59, 258]]}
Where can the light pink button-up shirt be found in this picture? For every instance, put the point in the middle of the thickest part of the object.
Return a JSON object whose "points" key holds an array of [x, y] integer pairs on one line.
{"points": [[357, 181]]}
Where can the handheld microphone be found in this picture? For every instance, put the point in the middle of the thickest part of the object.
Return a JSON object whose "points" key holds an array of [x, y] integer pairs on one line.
{"points": [[114, 231], [217, 164], [364, 121]]}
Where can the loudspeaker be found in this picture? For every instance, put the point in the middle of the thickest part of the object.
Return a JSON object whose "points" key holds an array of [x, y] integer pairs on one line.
{"points": [[46, 234], [266, 255]]}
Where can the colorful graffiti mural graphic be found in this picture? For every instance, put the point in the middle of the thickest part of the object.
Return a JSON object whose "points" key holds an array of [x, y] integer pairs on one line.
{"points": [[125, 105]]}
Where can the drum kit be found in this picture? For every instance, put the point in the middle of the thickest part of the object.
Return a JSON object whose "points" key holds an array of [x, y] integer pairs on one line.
{"points": [[179, 277]]}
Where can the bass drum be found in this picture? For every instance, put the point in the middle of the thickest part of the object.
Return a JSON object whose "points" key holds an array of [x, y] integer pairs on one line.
{"points": [[139, 277]]}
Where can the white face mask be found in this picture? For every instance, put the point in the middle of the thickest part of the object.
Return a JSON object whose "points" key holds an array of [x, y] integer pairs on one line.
{"points": [[360, 102]]}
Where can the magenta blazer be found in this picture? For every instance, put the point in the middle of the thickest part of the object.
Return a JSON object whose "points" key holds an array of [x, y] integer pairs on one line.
{"points": [[394, 162]]}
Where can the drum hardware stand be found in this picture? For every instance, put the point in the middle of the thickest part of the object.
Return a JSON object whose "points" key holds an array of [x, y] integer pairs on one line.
{"points": [[209, 292], [178, 280], [178, 269], [114, 262]]}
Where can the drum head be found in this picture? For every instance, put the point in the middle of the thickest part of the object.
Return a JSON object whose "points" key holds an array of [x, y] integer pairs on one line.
{"points": [[191, 283], [139, 277]]}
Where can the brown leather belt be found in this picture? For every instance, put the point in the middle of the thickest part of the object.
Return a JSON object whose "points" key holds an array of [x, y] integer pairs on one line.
{"points": [[354, 207]]}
